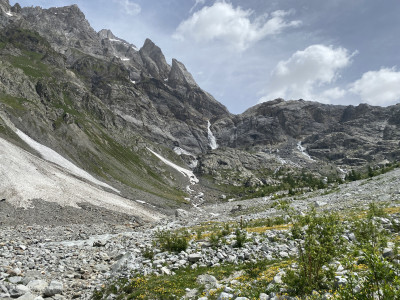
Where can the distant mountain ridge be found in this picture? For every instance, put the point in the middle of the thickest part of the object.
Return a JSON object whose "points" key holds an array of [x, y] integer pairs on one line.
{"points": [[101, 102]]}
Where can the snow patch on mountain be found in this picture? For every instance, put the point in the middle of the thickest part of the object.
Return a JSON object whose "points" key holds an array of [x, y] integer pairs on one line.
{"points": [[26, 177], [180, 151], [54, 157], [192, 178], [303, 151]]}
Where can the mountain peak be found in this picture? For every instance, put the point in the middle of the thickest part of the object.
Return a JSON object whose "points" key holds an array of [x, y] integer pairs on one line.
{"points": [[106, 34], [154, 60], [148, 44], [179, 75]]}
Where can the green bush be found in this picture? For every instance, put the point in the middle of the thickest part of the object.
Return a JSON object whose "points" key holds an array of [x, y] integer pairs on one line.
{"points": [[379, 279], [172, 241], [241, 238], [214, 239], [321, 243], [148, 253]]}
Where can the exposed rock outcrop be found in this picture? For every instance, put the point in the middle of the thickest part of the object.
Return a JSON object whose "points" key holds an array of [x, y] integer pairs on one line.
{"points": [[180, 76], [154, 60]]}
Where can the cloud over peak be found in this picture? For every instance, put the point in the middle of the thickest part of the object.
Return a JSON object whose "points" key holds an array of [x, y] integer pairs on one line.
{"points": [[233, 26], [378, 87], [307, 70]]}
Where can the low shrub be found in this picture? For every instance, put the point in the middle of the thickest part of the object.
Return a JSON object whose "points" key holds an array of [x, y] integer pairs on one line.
{"points": [[172, 241]]}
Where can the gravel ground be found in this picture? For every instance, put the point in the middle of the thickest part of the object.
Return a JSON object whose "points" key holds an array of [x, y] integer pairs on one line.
{"points": [[71, 251], [53, 214]]}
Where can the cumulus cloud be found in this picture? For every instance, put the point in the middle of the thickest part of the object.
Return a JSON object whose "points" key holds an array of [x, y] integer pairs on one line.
{"points": [[232, 26], [333, 94], [129, 7], [378, 87], [307, 71]]}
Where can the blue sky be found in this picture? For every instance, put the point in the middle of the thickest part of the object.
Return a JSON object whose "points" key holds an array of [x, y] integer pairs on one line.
{"points": [[246, 52]]}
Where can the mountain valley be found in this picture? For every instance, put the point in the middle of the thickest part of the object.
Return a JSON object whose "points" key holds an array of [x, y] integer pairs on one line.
{"points": [[104, 146]]}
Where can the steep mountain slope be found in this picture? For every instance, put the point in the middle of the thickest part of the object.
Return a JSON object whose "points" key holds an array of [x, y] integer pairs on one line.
{"points": [[102, 103], [26, 177], [83, 101]]}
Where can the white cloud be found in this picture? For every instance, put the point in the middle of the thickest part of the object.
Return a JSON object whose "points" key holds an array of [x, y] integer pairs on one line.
{"points": [[307, 71], [378, 87], [129, 7], [333, 94], [232, 26], [198, 2]]}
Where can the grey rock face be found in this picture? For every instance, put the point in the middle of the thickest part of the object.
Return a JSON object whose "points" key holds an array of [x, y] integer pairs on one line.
{"points": [[154, 60], [64, 27], [180, 76], [5, 6]]}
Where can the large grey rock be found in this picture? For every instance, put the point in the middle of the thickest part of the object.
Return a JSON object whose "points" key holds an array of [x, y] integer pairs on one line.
{"points": [[388, 252], [319, 203], [18, 291], [122, 262], [340, 281], [54, 288], [208, 280], [37, 286], [194, 257], [30, 296], [181, 213], [15, 279], [166, 271], [264, 296], [225, 296]]}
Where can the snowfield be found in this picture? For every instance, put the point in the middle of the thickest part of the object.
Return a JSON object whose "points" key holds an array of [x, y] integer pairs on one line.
{"points": [[303, 151], [192, 178], [54, 157], [25, 177]]}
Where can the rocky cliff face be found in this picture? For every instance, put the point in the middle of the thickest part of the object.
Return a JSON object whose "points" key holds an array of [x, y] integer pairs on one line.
{"points": [[303, 134], [101, 101], [126, 78]]}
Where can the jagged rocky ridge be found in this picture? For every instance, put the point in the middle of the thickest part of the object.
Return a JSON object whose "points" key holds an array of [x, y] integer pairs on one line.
{"points": [[100, 101]]}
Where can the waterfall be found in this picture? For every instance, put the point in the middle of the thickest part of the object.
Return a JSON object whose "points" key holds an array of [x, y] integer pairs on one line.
{"points": [[212, 141]]}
